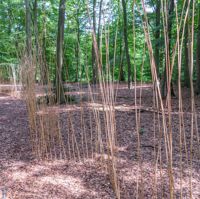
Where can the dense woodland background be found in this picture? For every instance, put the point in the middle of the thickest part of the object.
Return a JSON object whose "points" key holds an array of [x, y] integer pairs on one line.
{"points": [[120, 22]]}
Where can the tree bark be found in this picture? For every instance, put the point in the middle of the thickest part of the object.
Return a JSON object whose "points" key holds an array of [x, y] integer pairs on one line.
{"points": [[60, 97], [187, 62], [28, 30], [42, 50], [168, 86], [126, 43], [157, 36], [77, 46], [10, 18], [94, 68], [37, 54], [121, 68], [99, 23], [35, 11], [198, 54], [121, 53], [170, 23]]}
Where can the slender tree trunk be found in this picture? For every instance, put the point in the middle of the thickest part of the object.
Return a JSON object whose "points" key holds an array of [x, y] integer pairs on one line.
{"points": [[35, 23], [28, 30], [35, 11], [166, 83], [187, 62], [170, 23], [77, 46], [60, 97], [10, 18], [44, 67], [198, 54], [157, 36], [94, 69], [99, 23], [126, 43], [121, 68]]}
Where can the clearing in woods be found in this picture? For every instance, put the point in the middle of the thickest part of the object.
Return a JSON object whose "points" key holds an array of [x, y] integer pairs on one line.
{"points": [[22, 176]]}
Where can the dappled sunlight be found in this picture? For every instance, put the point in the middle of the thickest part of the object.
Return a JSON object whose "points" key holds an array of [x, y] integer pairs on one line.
{"points": [[10, 86], [95, 106], [72, 185], [104, 107], [138, 86], [81, 93], [125, 107], [99, 107], [58, 109], [19, 175], [4, 97], [44, 177], [77, 179]]}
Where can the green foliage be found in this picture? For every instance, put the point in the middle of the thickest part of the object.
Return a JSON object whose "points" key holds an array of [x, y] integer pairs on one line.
{"points": [[12, 33]]}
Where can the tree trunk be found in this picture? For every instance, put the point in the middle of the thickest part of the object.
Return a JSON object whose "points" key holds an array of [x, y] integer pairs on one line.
{"points": [[94, 69], [42, 54], [121, 53], [157, 36], [35, 23], [77, 46], [35, 11], [10, 18], [168, 86], [121, 70], [198, 53], [60, 97], [99, 23], [28, 30], [171, 10], [126, 43], [187, 62]]}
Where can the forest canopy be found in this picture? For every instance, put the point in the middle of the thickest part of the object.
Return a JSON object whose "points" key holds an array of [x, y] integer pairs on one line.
{"points": [[118, 27]]}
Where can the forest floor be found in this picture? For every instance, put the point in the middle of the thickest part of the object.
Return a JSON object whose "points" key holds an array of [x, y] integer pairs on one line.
{"points": [[23, 177]]}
